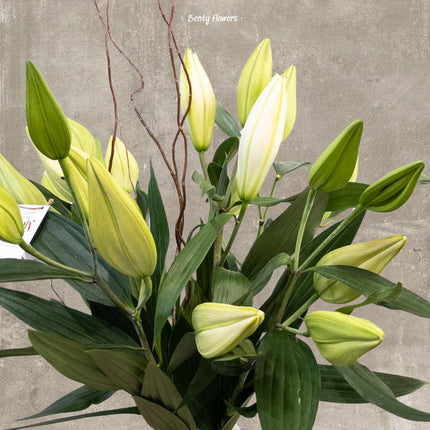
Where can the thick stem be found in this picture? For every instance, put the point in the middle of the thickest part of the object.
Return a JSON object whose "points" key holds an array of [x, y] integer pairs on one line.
{"points": [[142, 336], [79, 274], [234, 233], [306, 212], [299, 311], [345, 223]]}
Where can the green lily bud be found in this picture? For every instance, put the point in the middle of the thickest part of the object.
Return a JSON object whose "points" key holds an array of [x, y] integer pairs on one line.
{"points": [[260, 138], [11, 226], [21, 189], [255, 76], [342, 339], [116, 224], [47, 125], [290, 76], [125, 169], [373, 256], [83, 139], [334, 167], [393, 190], [201, 117], [218, 327]]}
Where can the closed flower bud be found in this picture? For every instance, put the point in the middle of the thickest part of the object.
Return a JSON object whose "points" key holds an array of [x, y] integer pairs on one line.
{"points": [[201, 116], [218, 327], [125, 169], [117, 227], [47, 125], [290, 76], [21, 189], [393, 190], [373, 256], [255, 76], [333, 169], [83, 139], [342, 339], [260, 138], [11, 226]]}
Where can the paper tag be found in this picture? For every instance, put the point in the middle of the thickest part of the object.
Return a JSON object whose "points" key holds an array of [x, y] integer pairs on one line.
{"points": [[32, 217]]}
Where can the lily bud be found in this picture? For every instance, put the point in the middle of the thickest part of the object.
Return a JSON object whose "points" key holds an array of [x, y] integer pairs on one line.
{"points": [[11, 226], [21, 189], [334, 167], [201, 116], [218, 327], [260, 138], [125, 169], [116, 224], [290, 76], [47, 125], [83, 139], [393, 190], [373, 256], [255, 76], [342, 339]]}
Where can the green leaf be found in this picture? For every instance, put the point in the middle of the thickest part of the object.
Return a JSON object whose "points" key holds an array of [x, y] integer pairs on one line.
{"points": [[120, 411], [14, 270], [158, 387], [185, 264], [159, 227], [185, 349], [334, 388], [226, 151], [64, 241], [62, 207], [246, 411], [368, 283], [287, 383], [53, 317], [345, 198], [77, 400], [225, 121], [228, 286], [280, 235], [269, 201], [18, 352], [206, 187], [158, 417], [284, 167], [142, 200], [375, 391], [126, 368], [70, 359]]}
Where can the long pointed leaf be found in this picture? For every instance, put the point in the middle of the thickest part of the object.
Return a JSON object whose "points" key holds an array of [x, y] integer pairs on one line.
{"points": [[368, 283], [373, 389], [77, 400], [53, 317], [120, 411], [335, 389], [159, 227], [185, 265], [225, 121]]}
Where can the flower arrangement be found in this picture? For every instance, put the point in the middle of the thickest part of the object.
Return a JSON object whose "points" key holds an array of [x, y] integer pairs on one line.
{"points": [[186, 341]]}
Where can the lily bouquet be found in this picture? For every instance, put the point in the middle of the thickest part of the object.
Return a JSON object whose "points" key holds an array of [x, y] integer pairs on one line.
{"points": [[186, 341]]}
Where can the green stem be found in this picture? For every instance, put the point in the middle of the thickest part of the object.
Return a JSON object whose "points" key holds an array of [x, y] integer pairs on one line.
{"points": [[294, 330], [288, 290], [306, 212], [204, 166], [263, 218], [82, 276], [142, 336], [345, 223], [299, 311], [234, 232]]}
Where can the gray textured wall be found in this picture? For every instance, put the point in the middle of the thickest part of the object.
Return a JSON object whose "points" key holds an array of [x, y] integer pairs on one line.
{"points": [[354, 59]]}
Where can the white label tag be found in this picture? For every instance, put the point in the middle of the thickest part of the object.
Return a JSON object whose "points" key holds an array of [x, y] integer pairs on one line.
{"points": [[32, 218]]}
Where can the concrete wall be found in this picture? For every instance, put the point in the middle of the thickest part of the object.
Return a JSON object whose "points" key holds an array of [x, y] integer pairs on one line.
{"points": [[366, 60]]}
